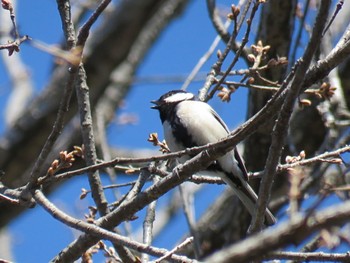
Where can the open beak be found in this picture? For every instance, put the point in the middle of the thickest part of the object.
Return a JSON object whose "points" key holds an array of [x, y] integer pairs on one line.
{"points": [[156, 106]]}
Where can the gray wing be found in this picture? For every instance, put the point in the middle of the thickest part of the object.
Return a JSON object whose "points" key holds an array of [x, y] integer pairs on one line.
{"points": [[237, 156], [217, 117]]}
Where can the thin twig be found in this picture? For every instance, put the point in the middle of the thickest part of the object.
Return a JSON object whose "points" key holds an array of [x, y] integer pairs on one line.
{"points": [[210, 80], [238, 52], [141, 180], [188, 207], [294, 231], [84, 31], [324, 157], [148, 226], [9, 199], [222, 30], [83, 97], [336, 11], [130, 207], [178, 247], [22, 81], [90, 155], [60, 117], [311, 246], [14, 196], [192, 151], [300, 31], [281, 126], [309, 256], [202, 60], [123, 252], [14, 46], [7, 5], [100, 232]]}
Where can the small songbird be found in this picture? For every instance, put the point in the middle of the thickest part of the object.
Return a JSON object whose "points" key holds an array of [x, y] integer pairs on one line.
{"points": [[187, 123]]}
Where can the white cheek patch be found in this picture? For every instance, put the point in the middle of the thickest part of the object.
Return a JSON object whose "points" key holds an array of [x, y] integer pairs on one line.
{"points": [[180, 97]]}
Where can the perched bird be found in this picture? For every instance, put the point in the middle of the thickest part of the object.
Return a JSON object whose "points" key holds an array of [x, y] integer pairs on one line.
{"points": [[187, 123]]}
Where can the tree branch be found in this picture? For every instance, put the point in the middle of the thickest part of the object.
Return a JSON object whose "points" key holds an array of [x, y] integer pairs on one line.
{"points": [[281, 127], [98, 232], [291, 232]]}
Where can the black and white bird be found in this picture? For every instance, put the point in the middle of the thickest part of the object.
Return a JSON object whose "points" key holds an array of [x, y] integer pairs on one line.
{"points": [[187, 123]]}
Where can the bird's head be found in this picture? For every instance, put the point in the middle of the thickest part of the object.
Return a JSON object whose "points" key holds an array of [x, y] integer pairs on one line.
{"points": [[172, 98]]}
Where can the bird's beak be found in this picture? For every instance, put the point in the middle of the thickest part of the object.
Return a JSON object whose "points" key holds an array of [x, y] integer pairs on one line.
{"points": [[156, 106]]}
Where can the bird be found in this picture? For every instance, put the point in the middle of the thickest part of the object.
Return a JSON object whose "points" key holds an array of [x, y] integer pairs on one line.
{"points": [[188, 122]]}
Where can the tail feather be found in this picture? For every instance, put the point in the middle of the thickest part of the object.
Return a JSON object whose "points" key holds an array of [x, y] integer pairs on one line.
{"points": [[248, 197]]}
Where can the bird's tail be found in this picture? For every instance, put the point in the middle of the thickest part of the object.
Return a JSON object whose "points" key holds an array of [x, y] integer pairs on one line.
{"points": [[248, 197]]}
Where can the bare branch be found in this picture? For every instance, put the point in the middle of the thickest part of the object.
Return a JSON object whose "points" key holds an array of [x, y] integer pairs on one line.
{"points": [[281, 126], [178, 247], [148, 227], [310, 256], [293, 231], [100, 232]]}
